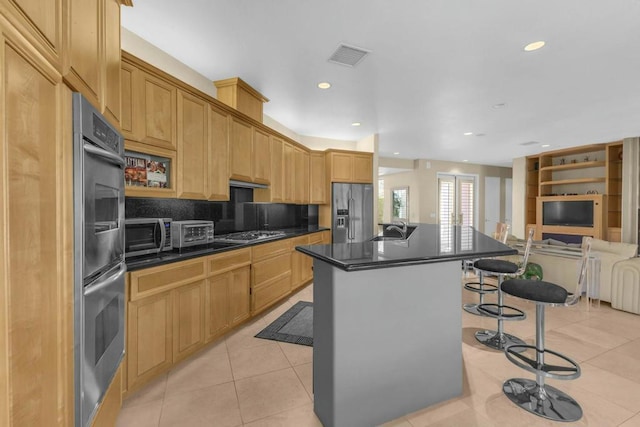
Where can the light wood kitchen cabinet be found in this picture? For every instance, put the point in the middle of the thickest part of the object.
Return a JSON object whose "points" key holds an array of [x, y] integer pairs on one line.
{"points": [[301, 176], [193, 161], [188, 319], [299, 264], [241, 150], [261, 157], [275, 192], [110, 59], [277, 171], [349, 166], [289, 169], [228, 287], [218, 154], [363, 167], [156, 117], [270, 274], [149, 338], [40, 21], [128, 96], [317, 178], [149, 106], [82, 60], [91, 60], [36, 258]]}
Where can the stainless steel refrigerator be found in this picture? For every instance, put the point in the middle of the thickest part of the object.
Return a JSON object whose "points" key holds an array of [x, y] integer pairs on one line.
{"points": [[352, 216]]}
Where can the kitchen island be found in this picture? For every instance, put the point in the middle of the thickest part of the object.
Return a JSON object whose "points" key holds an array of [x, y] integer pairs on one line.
{"points": [[387, 323]]}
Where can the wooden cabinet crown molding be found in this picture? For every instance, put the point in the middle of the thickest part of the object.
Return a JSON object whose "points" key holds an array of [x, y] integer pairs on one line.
{"points": [[126, 3]]}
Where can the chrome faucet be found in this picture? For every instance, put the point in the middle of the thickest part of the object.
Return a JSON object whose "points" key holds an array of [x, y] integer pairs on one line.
{"points": [[403, 230]]}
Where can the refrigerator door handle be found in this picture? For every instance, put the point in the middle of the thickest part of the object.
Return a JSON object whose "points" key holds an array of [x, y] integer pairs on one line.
{"points": [[352, 229]]}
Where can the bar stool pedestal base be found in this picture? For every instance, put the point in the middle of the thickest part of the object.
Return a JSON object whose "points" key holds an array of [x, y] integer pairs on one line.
{"points": [[472, 309], [498, 341], [547, 401]]}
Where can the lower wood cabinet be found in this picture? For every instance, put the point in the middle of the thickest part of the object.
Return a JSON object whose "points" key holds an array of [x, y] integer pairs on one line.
{"points": [[149, 338], [270, 274], [176, 309], [300, 267], [188, 319], [228, 290]]}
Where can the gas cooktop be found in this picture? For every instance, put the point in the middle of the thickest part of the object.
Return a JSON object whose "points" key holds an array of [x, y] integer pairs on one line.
{"points": [[248, 236]]}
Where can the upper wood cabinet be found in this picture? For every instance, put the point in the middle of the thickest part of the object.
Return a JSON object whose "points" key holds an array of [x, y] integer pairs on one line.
{"points": [[250, 152], [289, 173], [218, 154], [91, 60], [156, 118], [261, 157], [317, 178], [149, 106], [241, 150], [193, 162], [301, 176], [275, 192], [128, 77], [82, 50], [110, 103], [277, 171], [40, 21], [349, 166]]}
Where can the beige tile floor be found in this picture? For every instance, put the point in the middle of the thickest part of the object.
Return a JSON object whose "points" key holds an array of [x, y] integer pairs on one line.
{"points": [[247, 381]]}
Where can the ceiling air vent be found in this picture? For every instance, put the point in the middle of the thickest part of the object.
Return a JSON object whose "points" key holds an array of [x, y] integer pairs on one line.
{"points": [[529, 143], [348, 55]]}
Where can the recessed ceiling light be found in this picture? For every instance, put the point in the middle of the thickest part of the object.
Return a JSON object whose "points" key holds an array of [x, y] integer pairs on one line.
{"points": [[501, 105], [396, 153], [356, 124], [534, 46], [465, 161], [324, 85], [546, 145], [468, 133]]}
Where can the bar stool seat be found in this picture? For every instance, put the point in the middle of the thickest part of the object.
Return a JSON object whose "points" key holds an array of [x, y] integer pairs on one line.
{"points": [[480, 287], [535, 396], [498, 339]]}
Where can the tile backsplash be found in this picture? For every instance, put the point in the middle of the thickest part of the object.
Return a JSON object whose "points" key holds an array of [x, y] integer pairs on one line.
{"points": [[240, 213]]}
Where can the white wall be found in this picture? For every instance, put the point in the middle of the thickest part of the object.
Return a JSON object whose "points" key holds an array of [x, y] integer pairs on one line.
{"points": [[519, 197]]}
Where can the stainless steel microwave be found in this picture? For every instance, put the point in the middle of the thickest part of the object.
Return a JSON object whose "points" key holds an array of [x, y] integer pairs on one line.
{"points": [[145, 236]]}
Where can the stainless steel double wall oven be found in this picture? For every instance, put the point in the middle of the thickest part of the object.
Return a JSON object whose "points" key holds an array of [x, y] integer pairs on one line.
{"points": [[98, 157]]}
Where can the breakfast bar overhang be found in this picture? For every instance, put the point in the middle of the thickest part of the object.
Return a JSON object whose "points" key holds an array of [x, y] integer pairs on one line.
{"points": [[387, 323]]}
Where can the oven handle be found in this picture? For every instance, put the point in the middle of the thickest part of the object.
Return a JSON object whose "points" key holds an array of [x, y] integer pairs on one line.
{"points": [[113, 158], [105, 282]]}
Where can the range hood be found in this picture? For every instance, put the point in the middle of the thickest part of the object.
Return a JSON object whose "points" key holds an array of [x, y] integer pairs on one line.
{"points": [[242, 184]]}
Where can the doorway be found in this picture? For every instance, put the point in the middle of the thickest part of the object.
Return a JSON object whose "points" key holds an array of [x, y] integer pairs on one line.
{"points": [[457, 200]]}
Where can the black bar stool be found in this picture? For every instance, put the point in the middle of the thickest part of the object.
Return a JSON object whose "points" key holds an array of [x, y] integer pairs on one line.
{"points": [[479, 287], [535, 396], [498, 340]]}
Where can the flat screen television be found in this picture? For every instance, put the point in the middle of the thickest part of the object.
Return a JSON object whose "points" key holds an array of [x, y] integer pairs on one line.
{"points": [[570, 213]]}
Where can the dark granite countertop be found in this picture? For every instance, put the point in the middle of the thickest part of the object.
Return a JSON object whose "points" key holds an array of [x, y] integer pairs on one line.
{"points": [[429, 243], [146, 261]]}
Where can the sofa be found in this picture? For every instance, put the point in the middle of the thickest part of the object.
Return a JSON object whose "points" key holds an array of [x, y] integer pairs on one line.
{"points": [[617, 281]]}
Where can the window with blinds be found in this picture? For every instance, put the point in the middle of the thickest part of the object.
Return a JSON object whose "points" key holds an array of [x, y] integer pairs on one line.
{"points": [[400, 204]]}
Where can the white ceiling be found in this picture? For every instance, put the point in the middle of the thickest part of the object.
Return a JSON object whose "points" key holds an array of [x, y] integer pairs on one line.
{"points": [[435, 71]]}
